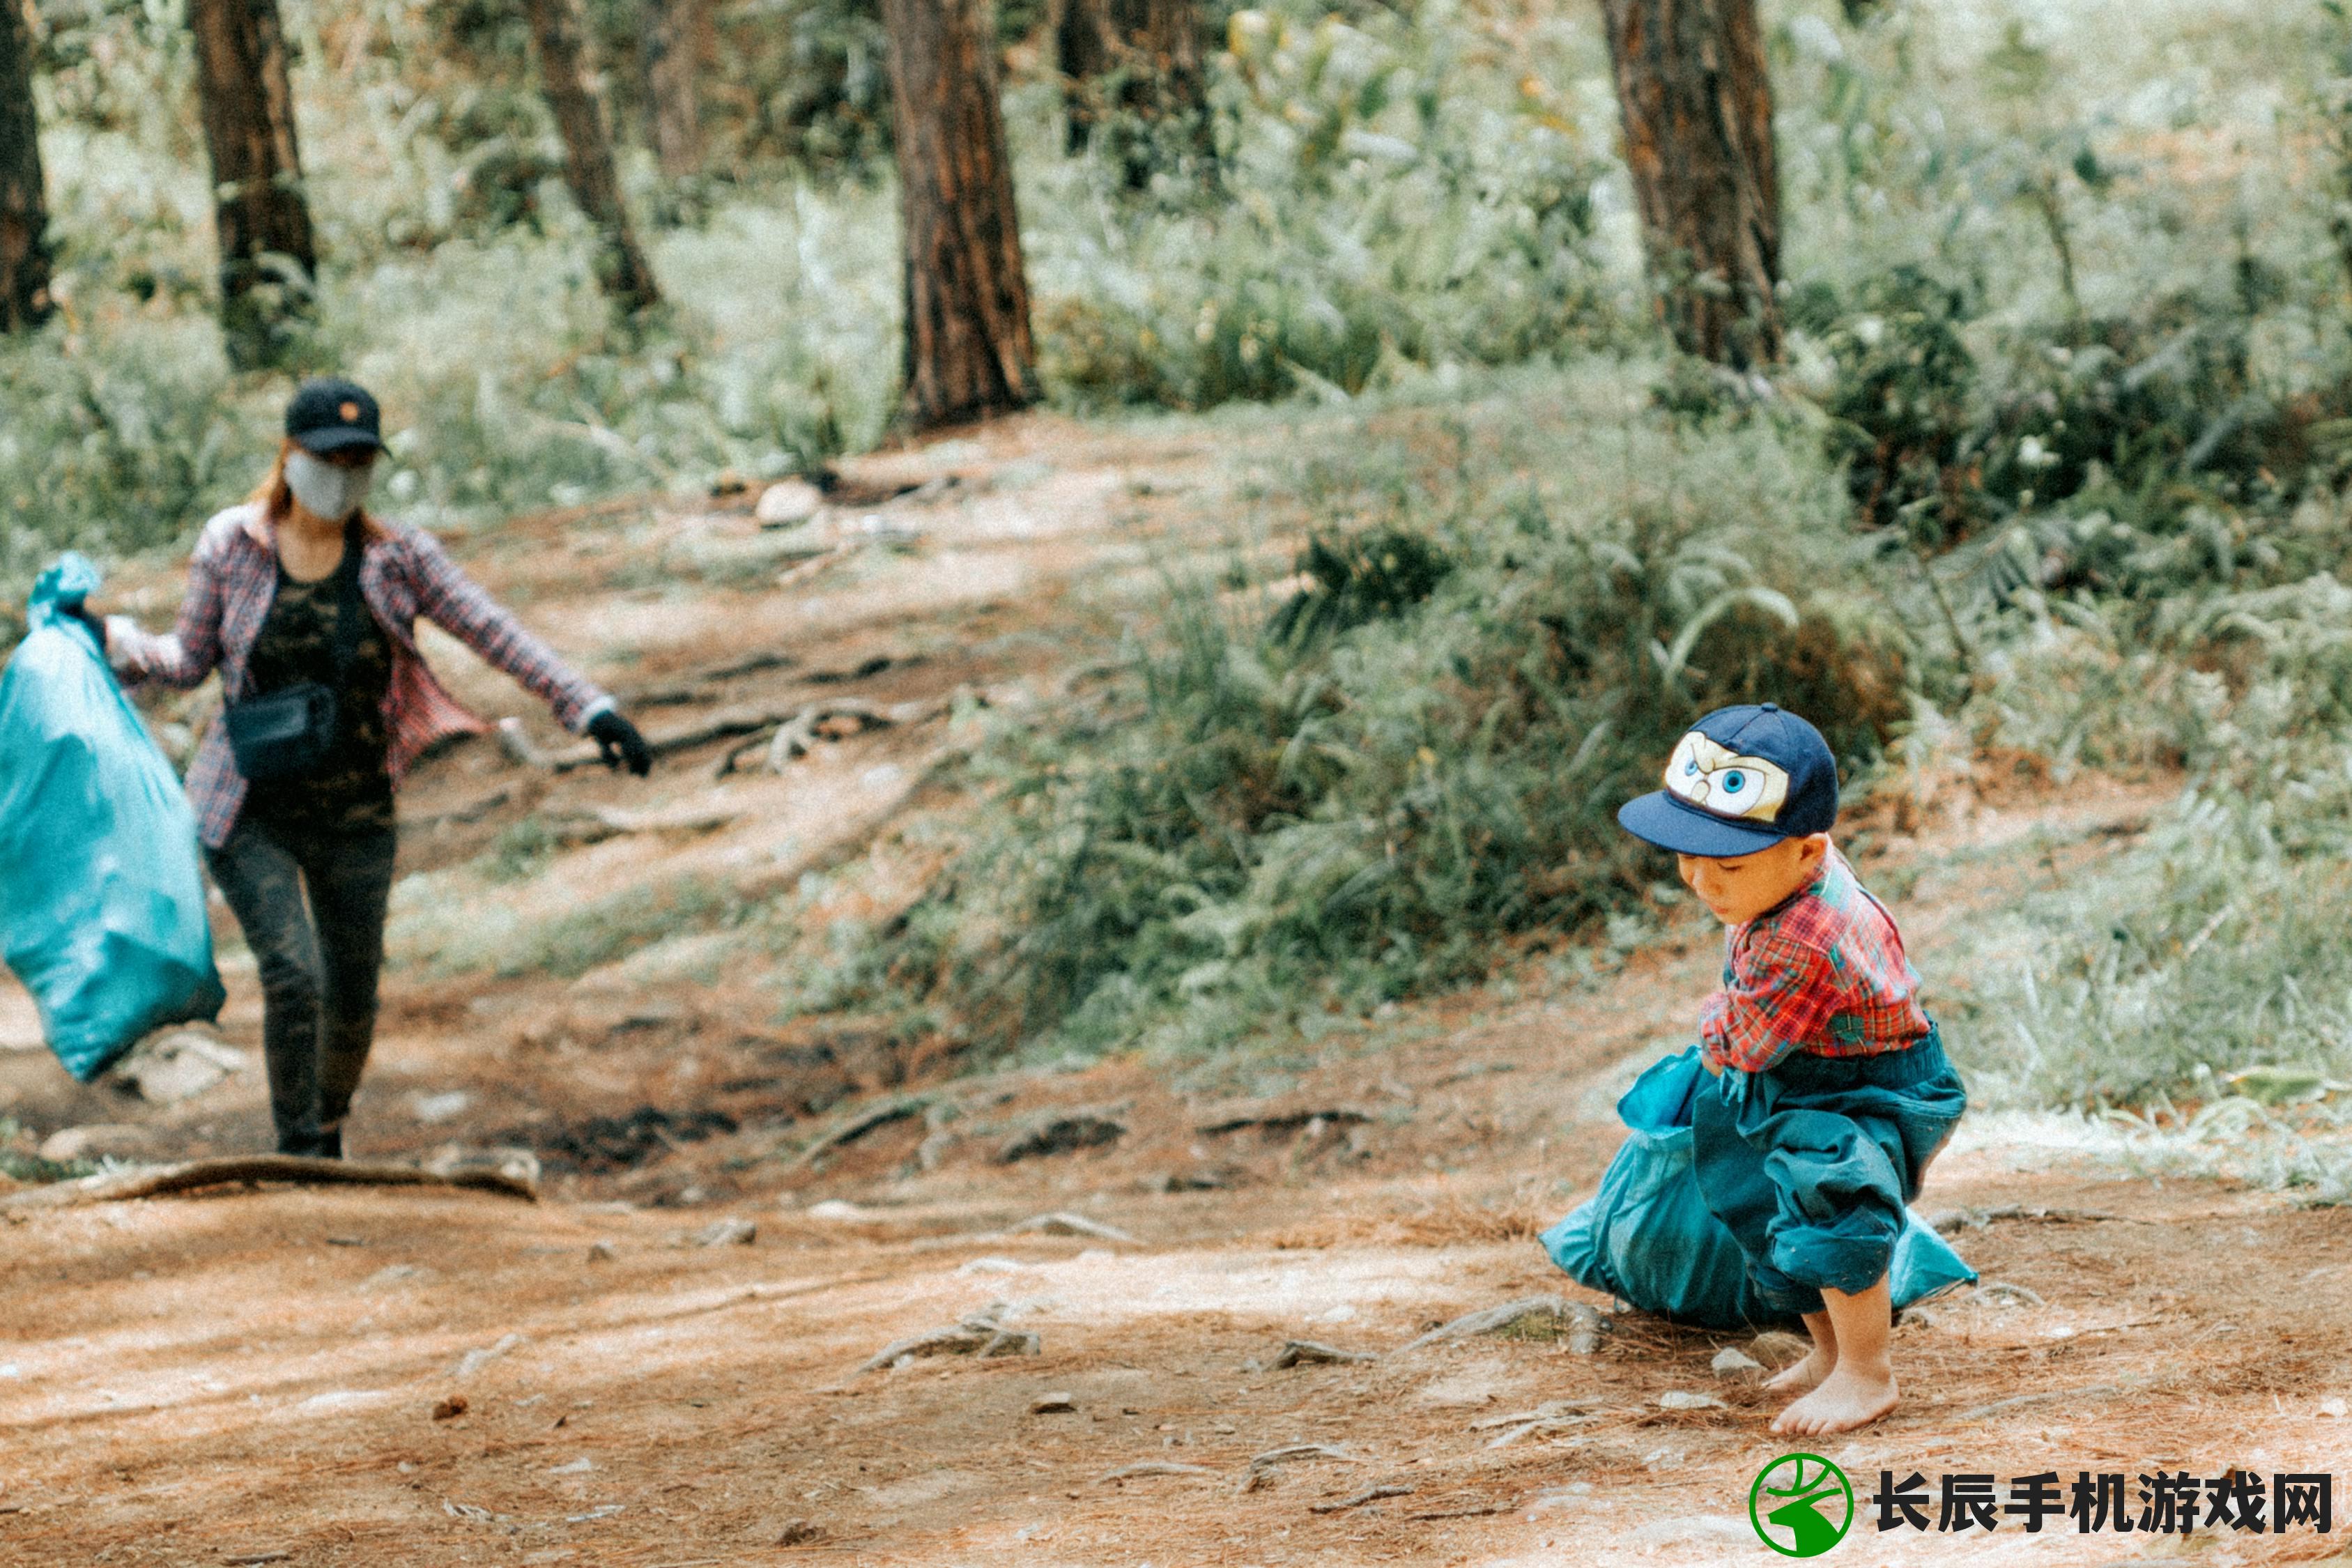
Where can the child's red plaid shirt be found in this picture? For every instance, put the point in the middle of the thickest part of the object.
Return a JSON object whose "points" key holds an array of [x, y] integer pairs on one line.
{"points": [[1824, 974]]}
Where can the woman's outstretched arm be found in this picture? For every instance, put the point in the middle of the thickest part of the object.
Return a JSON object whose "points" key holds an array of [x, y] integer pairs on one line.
{"points": [[463, 608], [185, 654]]}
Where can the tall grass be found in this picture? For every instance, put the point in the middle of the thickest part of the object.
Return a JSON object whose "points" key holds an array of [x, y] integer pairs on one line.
{"points": [[1374, 785]]}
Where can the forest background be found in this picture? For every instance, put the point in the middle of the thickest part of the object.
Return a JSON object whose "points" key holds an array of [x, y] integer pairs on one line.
{"points": [[2022, 452]]}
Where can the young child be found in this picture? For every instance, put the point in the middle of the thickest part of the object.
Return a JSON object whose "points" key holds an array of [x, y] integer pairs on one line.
{"points": [[1832, 1092]]}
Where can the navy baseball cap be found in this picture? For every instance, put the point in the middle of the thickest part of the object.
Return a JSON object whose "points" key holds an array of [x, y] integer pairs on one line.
{"points": [[332, 415], [1742, 780]]}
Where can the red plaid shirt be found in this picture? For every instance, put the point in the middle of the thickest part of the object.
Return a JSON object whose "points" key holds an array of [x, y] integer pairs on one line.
{"points": [[404, 573], [1824, 972]]}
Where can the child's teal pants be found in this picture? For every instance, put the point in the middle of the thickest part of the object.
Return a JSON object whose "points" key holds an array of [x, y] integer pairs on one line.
{"points": [[1810, 1162]]}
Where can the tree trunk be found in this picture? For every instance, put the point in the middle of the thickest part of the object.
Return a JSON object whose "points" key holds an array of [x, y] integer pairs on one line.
{"points": [[968, 349], [268, 255], [565, 78], [1082, 52], [675, 42], [1150, 51], [1697, 108], [1159, 42], [23, 214]]}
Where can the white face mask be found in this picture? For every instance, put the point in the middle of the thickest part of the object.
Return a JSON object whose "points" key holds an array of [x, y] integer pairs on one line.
{"points": [[324, 489]]}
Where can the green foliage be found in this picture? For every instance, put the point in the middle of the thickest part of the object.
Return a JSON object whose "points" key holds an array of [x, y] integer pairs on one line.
{"points": [[1372, 207], [1364, 793]]}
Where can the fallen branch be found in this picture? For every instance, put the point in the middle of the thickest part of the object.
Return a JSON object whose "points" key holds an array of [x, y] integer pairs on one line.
{"points": [[1585, 1325], [1282, 1121], [859, 1125], [980, 1334], [1475, 1510], [1152, 1467], [727, 722], [1308, 1352], [1360, 1500], [165, 1180], [1950, 1220]]}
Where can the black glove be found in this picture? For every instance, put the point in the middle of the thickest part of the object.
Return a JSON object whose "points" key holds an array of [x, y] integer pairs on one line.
{"points": [[97, 625], [619, 741]]}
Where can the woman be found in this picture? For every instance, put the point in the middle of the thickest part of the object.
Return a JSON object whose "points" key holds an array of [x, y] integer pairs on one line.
{"points": [[307, 607]]}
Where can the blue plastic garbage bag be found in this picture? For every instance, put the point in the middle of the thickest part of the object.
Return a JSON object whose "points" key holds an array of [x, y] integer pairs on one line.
{"points": [[1647, 1239], [102, 890]]}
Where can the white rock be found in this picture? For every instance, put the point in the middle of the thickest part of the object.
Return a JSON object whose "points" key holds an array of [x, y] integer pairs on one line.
{"points": [[473, 1361], [2334, 1406], [786, 502], [1683, 1399], [434, 1108], [579, 1466], [991, 1265], [99, 1140], [836, 1210], [1730, 1362]]}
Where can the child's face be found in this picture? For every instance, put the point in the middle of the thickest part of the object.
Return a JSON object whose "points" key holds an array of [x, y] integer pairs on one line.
{"points": [[1740, 888]]}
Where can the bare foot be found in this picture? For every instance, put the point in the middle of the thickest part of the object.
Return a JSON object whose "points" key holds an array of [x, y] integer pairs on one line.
{"points": [[1847, 1398], [1803, 1377]]}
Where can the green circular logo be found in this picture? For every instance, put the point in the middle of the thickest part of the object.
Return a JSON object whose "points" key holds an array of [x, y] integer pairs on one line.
{"points": [[1801, 1506]]}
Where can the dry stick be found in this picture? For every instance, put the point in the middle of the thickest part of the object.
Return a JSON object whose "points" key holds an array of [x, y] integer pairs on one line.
{"points": [[720, 726], [1360, 1500], [164, 1181], [860, 1124]]}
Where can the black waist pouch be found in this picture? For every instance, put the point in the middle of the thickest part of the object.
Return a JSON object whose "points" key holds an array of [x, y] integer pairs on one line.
{"points": [[284, 736], [287, 734]]}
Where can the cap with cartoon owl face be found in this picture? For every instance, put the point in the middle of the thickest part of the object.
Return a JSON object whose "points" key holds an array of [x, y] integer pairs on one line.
{"points": [[1742, 780]]}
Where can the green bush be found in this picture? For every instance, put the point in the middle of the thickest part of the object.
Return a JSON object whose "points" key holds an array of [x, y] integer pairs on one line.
{"points": [[1284, 821]]}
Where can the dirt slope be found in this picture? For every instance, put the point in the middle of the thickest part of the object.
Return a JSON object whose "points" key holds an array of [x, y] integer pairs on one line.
{"points": [[243, 1374]]}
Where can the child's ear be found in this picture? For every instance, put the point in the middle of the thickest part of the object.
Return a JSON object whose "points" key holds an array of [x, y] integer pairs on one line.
{"points": [[1813, 849]]}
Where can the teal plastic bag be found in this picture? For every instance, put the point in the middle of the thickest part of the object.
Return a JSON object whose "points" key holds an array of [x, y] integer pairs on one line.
{"points": [[1647, 1239], [101, 889]]}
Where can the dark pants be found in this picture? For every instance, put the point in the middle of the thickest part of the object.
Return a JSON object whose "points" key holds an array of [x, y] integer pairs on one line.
{"points": [[319, 957], [1812, 1162]]}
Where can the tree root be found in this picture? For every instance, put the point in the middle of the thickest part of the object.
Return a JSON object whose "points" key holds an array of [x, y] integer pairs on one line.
{"points": [[165, 1180]]}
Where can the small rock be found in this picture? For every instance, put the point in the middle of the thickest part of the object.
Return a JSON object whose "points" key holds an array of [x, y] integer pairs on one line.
{"points": [[1051, 1404], [392, 1274], [99, 1140], [450, 1408], [1308, 1353], [579, 1466], [178, 1064], [1730, 1362], [727, 1233], [1776, 1350], [1013, 1342], [435, 1109], [991, 1265], [510, 1161], [801, 1533], [1065, 1223], [602, 1252], [786, 502], [1681, 1399], [2332, 1407], [836, 1211], [473, 1361]]}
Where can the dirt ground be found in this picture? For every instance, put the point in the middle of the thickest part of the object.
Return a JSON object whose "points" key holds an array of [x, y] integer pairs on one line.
{"points": [[254, 1376]]}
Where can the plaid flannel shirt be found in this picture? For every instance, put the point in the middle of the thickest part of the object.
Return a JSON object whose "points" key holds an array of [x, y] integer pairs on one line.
{"points": [[1823, 973], [404, 573]]}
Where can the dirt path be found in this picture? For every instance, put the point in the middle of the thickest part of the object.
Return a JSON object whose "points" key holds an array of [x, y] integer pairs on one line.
{"points": [[221, 1378]]}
